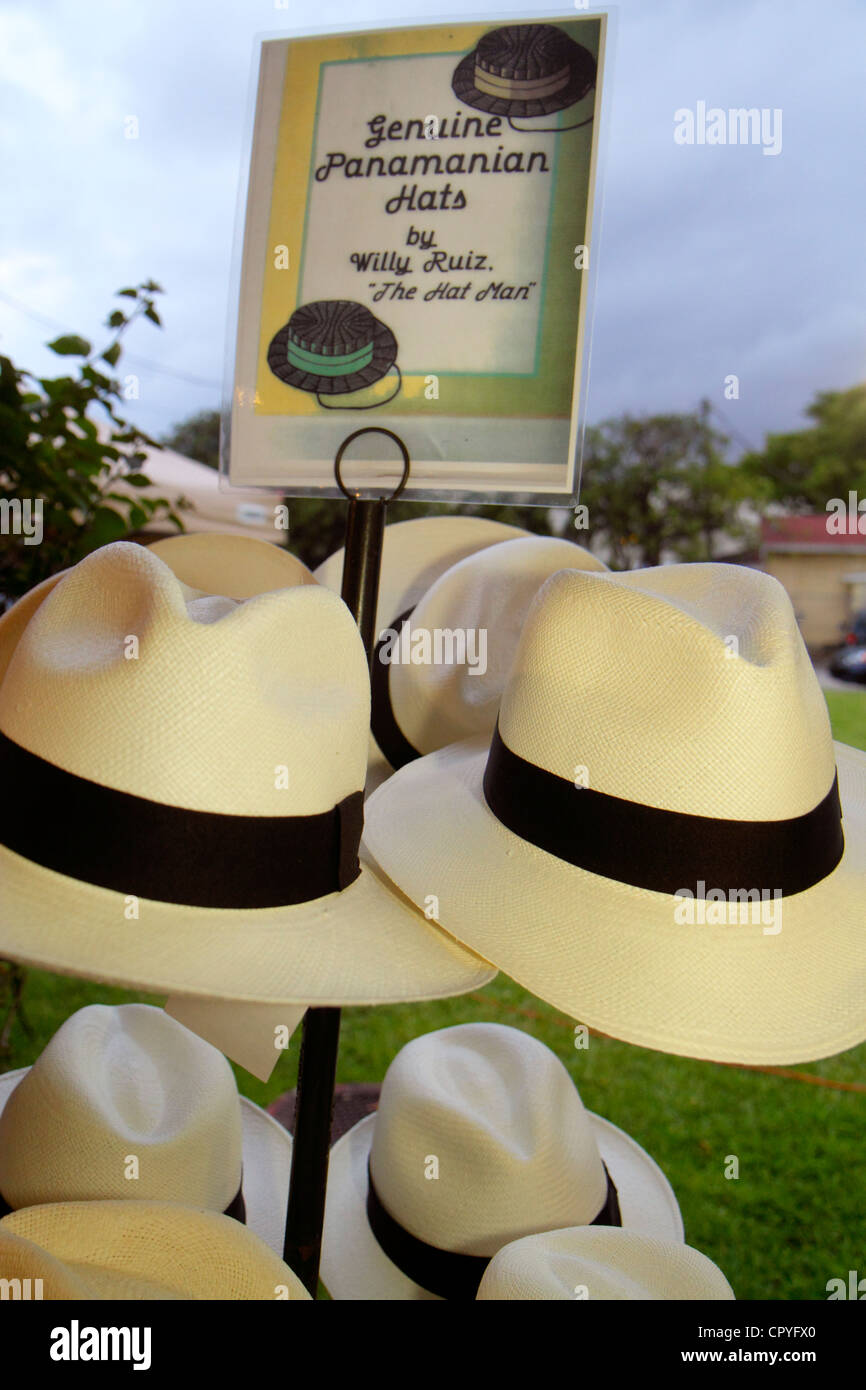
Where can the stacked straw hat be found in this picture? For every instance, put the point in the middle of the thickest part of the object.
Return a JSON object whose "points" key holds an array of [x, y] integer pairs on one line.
{"points": [[184, 790], [601, 1262], [661, 839], [480, 1138], [139, 1251], [126, 1103], [451, 593]]}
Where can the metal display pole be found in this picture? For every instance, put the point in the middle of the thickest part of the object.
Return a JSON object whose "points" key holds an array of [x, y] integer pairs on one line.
{"points": [[317, 1067]]}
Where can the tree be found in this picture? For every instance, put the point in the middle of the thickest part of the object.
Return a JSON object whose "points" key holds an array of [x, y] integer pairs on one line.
{"points": [[805, 468], [59, 467], [197, 437], [657, 485]]}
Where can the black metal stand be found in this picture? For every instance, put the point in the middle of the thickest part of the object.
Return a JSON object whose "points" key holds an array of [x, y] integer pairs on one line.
{"points": [[317, 1068]]}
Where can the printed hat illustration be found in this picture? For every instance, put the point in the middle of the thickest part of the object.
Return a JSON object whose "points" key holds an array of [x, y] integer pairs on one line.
{"points": [[524, 70], [414, 555], [124, 1082], [237, 567], [419, 706], [600, 1262], [188, 820], [662, 744], [332, 347], [516, 1152], [142, 1251]]}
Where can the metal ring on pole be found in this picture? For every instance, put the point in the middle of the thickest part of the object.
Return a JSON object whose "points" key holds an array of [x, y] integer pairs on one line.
{"points": [[372, 429]]}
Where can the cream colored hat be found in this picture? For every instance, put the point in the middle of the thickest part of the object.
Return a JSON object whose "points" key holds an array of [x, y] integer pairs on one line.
{"points": [[183, 791], [238, 567], [601, 1262], [124, 1102], [480, 1138], [662, 744], [139, 1250], [414, 555], [440, 667]]}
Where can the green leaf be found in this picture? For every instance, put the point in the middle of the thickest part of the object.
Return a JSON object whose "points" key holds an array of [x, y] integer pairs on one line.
{"points": [[106, 525], [111, 354], [137, 517], [115, 319], [137, 479], [70, 345], [150, 313], [130, 294], [153, 287]]}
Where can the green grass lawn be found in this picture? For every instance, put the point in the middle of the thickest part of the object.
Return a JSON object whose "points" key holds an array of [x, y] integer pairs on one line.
{"points": [[791, 1221]]}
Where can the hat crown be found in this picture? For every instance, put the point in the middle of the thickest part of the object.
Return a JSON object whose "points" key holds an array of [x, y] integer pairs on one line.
{"points": [[513, 1144], [451, 670], [197, 705], [684, 687], [116, 1084], [606, 1262]]}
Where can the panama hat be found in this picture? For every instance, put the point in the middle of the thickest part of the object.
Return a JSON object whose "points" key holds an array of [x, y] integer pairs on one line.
{"points": [[524, 70], [601, 1262], [208, 562], [124, 1102], [238, 567], [663, 748], [188, 819], [480, 1138], [440, 668], [332, 347], [138, 1250], [414, 555]]}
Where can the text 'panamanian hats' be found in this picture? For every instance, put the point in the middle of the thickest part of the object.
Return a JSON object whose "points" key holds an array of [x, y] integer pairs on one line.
{"points": [[440, 668], [480, 1138], [139, 1251], [183, 786], [126, 1103], [589, 1263], [653, 841]]}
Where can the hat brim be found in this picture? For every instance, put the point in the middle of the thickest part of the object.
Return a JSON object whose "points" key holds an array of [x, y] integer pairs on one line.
{"points": [[365, 945], [581, 81], [267, 1163], [414, 555], [384, 357], [612, 955], [354, 1266]]}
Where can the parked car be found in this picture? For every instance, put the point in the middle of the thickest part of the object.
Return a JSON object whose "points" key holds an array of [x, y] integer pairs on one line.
{"points": [[855, 635], [849, 664]]}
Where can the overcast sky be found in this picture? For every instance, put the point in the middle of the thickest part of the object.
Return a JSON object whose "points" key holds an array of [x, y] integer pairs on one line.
{"points": [[713, 259]]}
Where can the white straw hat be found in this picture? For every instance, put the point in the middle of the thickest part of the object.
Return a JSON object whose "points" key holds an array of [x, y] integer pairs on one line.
{"points": [[440, 668], [141, 1251], [414, 555], [126, 1103], [183, 798], [662, 738], [480, 1138], [601, 1262]]}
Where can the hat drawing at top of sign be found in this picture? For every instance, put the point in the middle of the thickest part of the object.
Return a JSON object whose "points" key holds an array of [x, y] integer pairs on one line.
{"points": [[525, 70], [335, 347]]}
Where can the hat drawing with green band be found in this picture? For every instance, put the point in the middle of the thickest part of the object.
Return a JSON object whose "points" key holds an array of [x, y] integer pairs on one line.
{"points": [[332, 347]]}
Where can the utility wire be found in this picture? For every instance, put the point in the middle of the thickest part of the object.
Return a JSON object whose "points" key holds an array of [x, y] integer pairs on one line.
{"points": [[132, 358]]}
